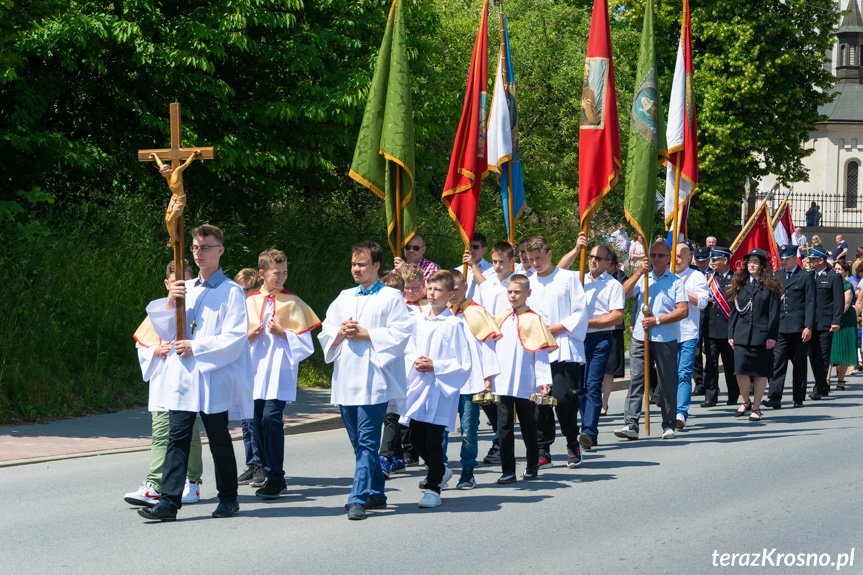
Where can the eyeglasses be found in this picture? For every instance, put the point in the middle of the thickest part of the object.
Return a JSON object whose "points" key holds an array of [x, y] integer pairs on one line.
{"points": [[659, 255], [597, 258], [414, 248], [476, 247], [413, 288], [202, 248]]}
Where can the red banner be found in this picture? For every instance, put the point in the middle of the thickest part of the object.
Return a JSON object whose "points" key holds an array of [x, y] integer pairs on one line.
{"points": [[469, 162], [599, 138], [758, 235]]}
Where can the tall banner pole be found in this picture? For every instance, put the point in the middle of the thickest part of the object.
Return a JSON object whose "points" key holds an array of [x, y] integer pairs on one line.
{"points": [[676, 222], [645, 311], [583, 255], [398, 214]]}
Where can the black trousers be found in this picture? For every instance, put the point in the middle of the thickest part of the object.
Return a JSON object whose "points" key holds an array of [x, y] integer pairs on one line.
{"points": [[565, 376], [698, 367], [177, 455], [427, 439], [526, 413], [715, 349], [819, 355], [789, 347], [491, 413], [391, 442]]}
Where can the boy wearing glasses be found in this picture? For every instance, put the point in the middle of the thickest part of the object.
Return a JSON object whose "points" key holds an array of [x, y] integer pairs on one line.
{"points": [[668, 305], [414, 288], [208, 373], [475, 260], [280, 326]]}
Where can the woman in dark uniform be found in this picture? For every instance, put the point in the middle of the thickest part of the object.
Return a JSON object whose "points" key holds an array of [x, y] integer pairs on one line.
{"points": [[753, 327]]}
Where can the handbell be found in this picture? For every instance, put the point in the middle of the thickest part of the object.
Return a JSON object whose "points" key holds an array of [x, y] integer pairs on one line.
{"points": [[481, 399], [543, 399]]}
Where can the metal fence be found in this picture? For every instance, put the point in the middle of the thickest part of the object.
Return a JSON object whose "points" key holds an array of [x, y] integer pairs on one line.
{"points": [[832, 210]]}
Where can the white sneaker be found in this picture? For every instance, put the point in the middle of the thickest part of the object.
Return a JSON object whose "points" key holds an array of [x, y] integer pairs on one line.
{"points": [[191, 492], [430, 499], [669, 434], [447, 475], [146, 496]]}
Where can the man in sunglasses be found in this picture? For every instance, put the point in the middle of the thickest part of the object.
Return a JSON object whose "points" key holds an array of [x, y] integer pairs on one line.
{"points": [[668, 305], [415, 250]]}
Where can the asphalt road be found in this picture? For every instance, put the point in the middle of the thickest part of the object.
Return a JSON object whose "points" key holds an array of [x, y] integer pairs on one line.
{"points": [[792, 482]]}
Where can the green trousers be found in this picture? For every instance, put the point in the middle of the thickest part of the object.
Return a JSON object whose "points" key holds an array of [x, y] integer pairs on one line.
{"points": [[161, 427]]}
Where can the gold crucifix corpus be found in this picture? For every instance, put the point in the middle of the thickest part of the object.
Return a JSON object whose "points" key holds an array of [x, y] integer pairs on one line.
{"points": [[180, 160]]}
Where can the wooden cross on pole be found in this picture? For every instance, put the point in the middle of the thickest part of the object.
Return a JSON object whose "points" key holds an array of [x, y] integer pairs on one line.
{"points": [[180, 159]]}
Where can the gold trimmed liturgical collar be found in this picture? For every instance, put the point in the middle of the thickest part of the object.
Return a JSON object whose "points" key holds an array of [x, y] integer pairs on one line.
{"points": [[293, 313], [146, 334], [532, 331], [481, 322]]}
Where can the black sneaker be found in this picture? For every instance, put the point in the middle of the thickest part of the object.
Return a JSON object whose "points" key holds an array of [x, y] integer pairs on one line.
{"points": [[573, 455], [545, 459], [356, 512], [531, 473], [246, 475], [272, 489], [493, 457], [258, 478]]}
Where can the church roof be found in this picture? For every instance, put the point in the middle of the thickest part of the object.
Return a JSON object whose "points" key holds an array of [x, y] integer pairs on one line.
{"points": [[848, 104], [852, 21]]}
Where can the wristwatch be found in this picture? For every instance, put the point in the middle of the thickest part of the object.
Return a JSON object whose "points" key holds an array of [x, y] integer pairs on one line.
{"points": [[657, 320]]}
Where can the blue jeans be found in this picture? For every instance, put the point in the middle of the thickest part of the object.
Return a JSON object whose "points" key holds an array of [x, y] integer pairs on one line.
{"points": [[468, 413], [270, 435], [685, 363], [250, 443], [363, 424], [596, 350]]}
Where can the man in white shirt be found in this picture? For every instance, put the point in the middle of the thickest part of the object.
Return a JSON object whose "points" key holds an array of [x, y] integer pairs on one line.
{"points": [[365, 333], [798, 239], [523, 265], [557, 296], [207, 374], [620, 239], [695, 284], [605, 304]]}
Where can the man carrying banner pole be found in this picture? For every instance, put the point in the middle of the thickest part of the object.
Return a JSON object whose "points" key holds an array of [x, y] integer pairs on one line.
{"points": [[647, 151]]}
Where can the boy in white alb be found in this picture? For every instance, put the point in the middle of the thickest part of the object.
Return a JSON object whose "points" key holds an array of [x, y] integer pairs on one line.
{"points": [[280, 326], [253, 475], [439, 353], [414, 291], [491, 288], [365, 333], [557, 296], [208, 373], [481, 325], [152, 352], [522, 353]]}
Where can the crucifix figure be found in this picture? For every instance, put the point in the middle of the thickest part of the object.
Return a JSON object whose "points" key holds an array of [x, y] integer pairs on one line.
{"points": [[180, 159]]}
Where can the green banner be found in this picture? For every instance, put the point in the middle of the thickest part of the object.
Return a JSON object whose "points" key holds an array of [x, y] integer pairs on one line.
{"points": [[384, 154], [647, 148]]}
